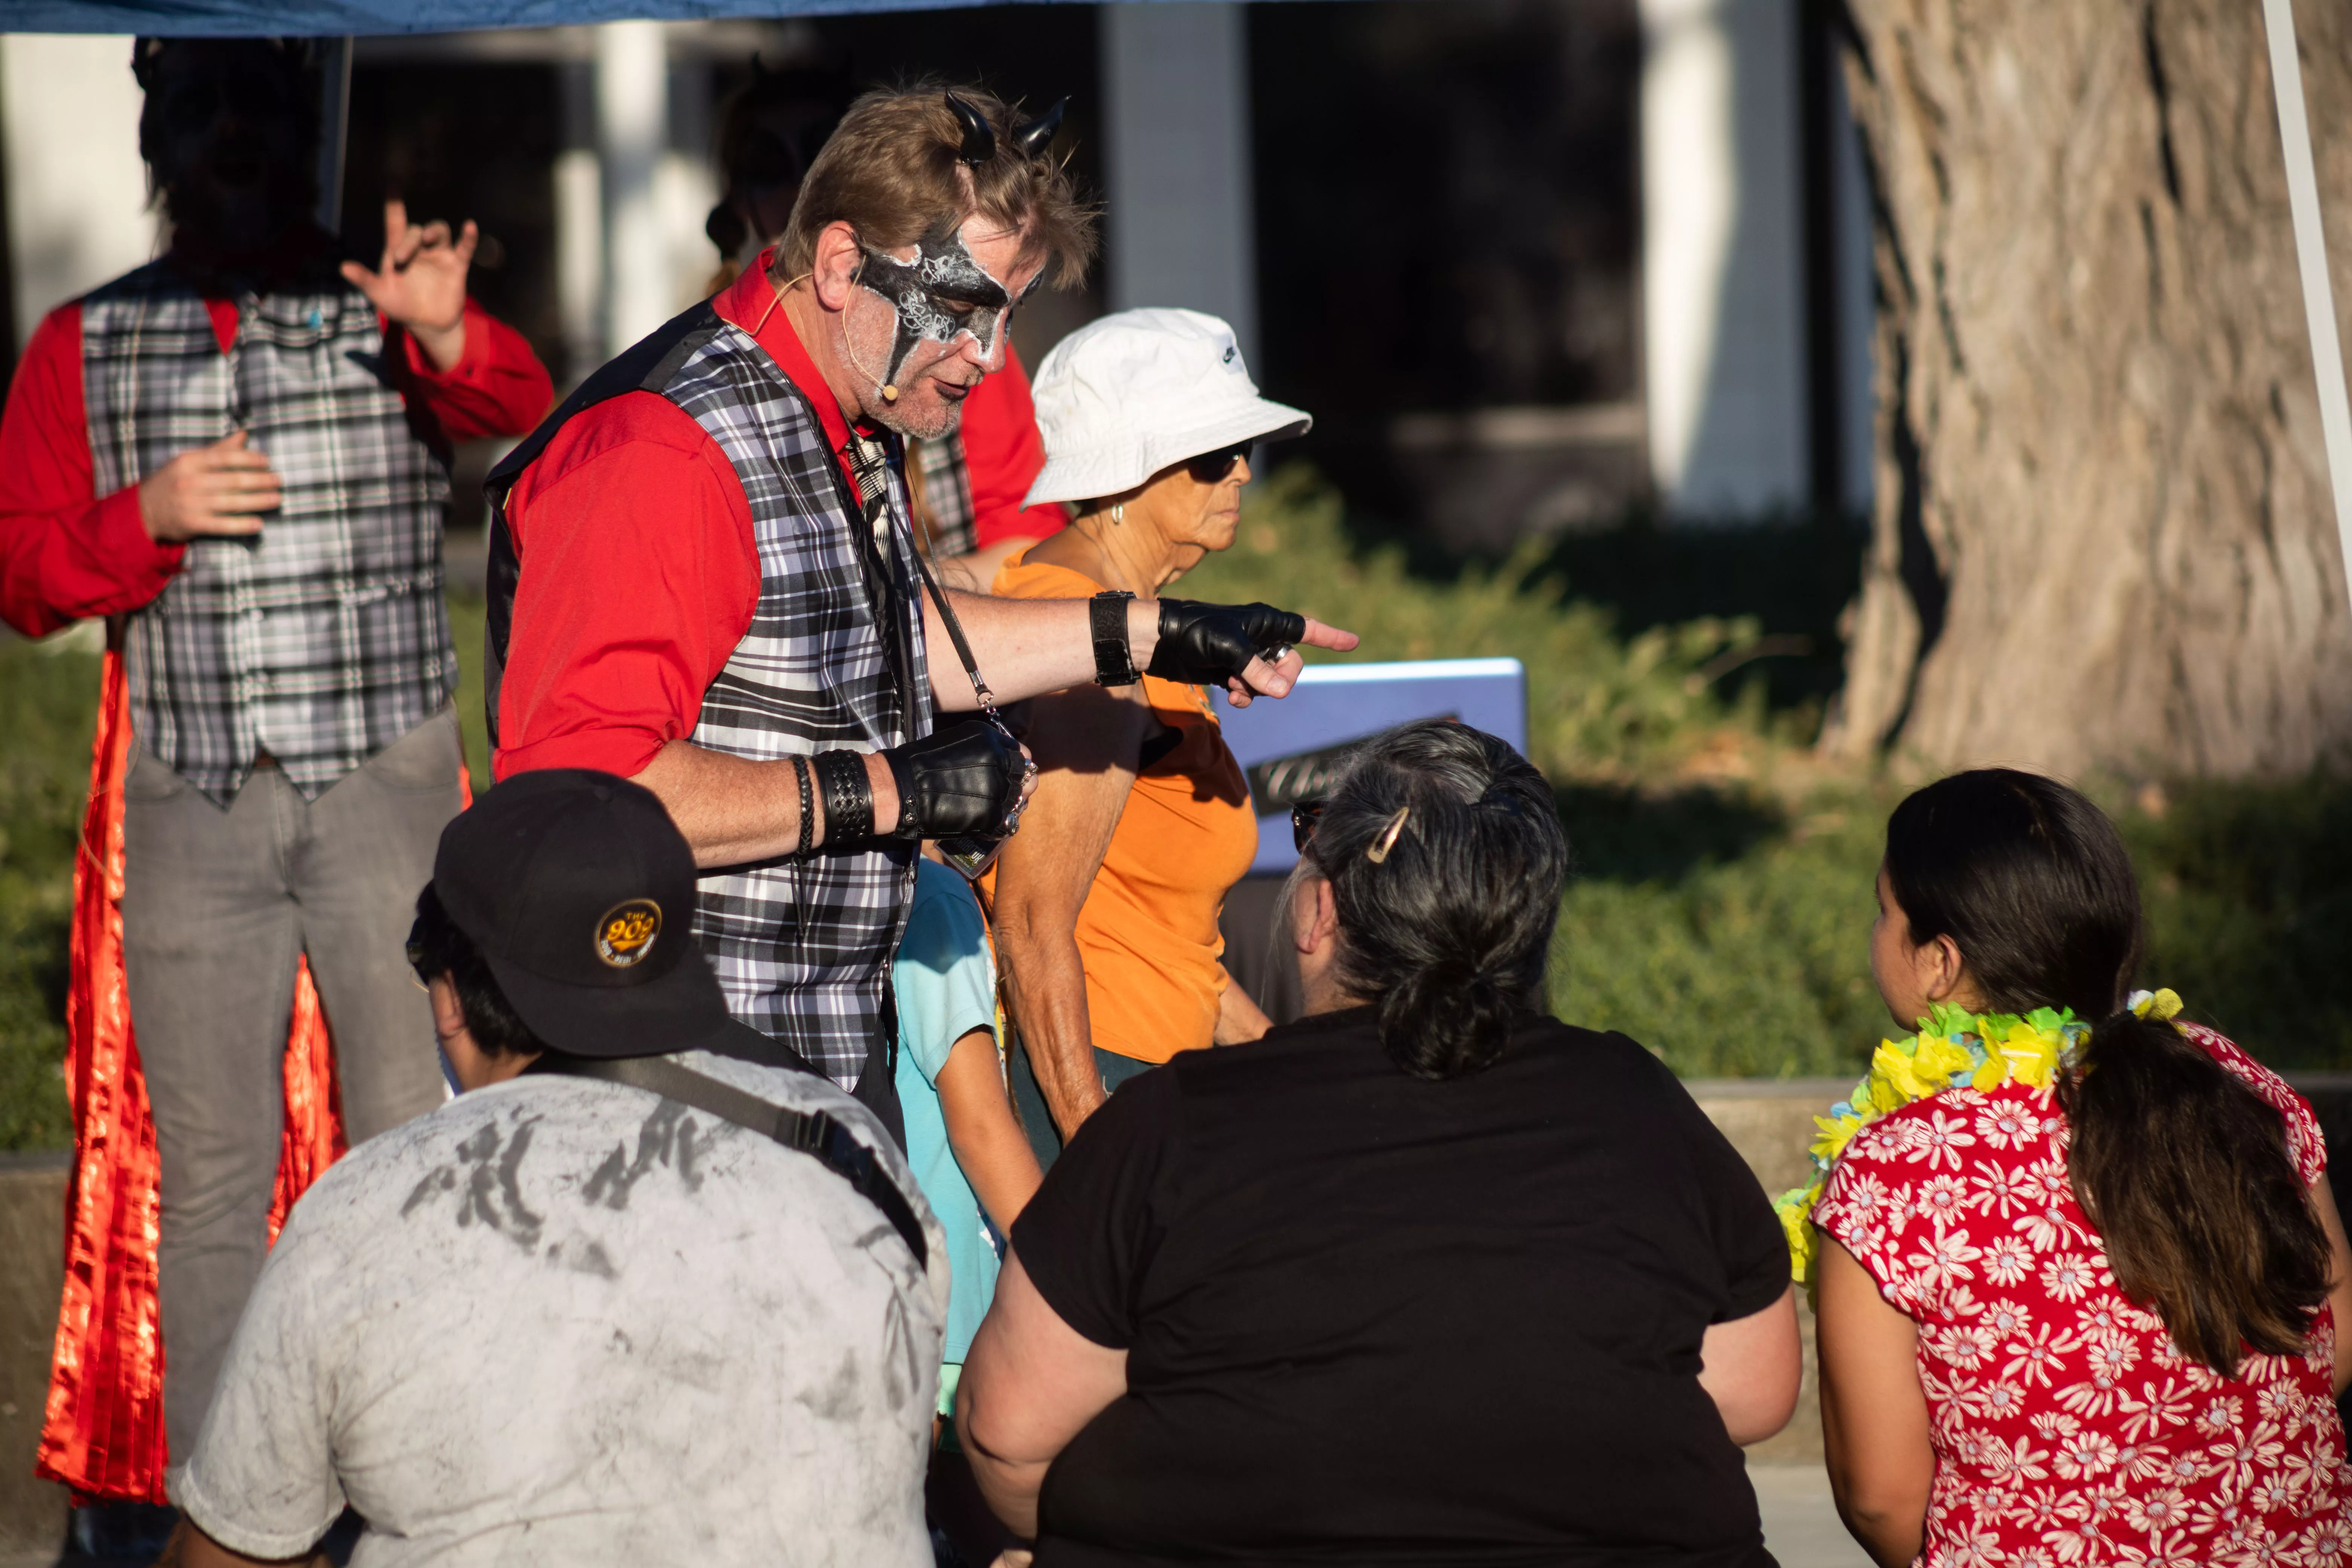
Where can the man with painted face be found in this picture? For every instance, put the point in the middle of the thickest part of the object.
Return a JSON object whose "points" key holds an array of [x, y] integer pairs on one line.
{"points": [[703, 576], [238, 454]]}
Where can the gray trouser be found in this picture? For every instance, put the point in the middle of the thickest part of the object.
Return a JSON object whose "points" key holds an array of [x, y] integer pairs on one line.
{"points": [[217, 908]]}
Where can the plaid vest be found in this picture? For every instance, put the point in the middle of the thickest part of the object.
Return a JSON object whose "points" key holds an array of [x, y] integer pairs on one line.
{"points": [[323, 638], [833, 658], [943, 493]]}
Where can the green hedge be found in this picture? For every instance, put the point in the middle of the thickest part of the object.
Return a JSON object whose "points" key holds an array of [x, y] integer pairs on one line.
{"points": [[1722, 905]]}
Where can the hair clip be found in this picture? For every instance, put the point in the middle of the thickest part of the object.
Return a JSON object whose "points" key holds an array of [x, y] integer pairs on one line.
{"points": [[1379, 853]]}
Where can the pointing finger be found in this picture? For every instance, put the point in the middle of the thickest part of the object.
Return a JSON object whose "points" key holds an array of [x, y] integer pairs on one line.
{"points": [[1320, 636], [468, 241]]}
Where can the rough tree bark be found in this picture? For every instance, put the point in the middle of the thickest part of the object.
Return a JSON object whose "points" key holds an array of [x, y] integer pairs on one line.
{"points": [[2102, 536]]}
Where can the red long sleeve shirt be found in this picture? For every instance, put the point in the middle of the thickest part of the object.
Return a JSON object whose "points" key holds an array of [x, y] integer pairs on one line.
{"points": [[1003, 453], [640, 573], [66, 553]]}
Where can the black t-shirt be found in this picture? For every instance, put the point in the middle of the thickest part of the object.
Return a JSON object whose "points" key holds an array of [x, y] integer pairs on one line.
{"points": [[1373, 1318]]}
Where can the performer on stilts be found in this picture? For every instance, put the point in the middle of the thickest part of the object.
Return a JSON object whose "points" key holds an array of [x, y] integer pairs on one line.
{"points": [[238, 454]]}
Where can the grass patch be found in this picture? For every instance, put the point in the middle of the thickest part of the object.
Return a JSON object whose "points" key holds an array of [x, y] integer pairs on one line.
{"points": [[49, 710]]}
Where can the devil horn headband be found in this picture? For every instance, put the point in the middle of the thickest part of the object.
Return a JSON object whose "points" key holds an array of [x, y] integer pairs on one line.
{"points": [[979, 138], [1032, 140]]}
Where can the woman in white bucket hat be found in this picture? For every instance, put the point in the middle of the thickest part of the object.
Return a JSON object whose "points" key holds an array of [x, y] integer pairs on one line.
{"points": [[1105, 906]]}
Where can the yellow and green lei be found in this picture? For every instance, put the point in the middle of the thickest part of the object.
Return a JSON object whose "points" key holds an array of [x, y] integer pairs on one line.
{"points": [[1953, 1047]]}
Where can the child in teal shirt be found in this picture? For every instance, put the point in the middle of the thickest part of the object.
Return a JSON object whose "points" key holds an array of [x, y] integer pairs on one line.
{"points": [[966, 1150]]}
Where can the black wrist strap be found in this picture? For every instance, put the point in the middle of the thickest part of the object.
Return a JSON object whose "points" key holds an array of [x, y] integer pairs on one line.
{"points": [[813, 1134], [848, 796], [1114, 651], [808, 804]]}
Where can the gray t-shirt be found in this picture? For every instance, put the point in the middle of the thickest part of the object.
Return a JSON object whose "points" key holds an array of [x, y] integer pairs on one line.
{"points": [[561, 1322]]}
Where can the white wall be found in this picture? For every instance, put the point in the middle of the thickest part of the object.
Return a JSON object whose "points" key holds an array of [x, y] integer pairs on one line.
{"points": [[1176, 159], [77, 191], [1723, 278]]}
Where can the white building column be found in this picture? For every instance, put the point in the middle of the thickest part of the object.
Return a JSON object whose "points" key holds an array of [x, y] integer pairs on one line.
{"points": [[78, 209], [1723, 256], [631, 133], [1176, 159]]}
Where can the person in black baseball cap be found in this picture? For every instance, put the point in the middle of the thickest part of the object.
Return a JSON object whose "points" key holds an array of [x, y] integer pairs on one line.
{"points": [[668, 1300], [577, 892]]}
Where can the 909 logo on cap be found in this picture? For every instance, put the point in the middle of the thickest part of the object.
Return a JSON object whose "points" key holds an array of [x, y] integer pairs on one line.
{"points": [[625, 933]]}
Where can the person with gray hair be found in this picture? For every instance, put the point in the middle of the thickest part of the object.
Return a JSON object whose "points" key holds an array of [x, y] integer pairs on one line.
{"points": [[1428, 1276]]}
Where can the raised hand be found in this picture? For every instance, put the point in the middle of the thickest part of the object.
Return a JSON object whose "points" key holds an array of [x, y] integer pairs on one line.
{"points": [[421, 281], [218, 489]]}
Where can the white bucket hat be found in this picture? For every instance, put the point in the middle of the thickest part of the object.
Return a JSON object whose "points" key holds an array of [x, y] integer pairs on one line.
{"points": [[1125, 396]]}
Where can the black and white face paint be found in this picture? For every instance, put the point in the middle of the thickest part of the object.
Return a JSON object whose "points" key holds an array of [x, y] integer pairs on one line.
{"points": [[941, 295]]}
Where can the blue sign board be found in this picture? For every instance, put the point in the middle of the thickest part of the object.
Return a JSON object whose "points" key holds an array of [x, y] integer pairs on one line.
{"points": [[1291, 748]]}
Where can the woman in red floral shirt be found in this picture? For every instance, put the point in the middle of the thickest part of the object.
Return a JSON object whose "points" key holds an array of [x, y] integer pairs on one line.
{"points": [[2086, 1323]]}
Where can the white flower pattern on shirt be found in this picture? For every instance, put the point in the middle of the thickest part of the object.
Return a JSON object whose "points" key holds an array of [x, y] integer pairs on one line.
{"points": [[2070, 1431]]}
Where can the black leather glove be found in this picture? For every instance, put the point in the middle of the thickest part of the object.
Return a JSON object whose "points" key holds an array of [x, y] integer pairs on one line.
{"points": [[961, 781], [1207, 645]]}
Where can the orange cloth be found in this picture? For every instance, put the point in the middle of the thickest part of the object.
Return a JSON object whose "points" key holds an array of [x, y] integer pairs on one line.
{"points": [[1147, 931], [102, 1432]]}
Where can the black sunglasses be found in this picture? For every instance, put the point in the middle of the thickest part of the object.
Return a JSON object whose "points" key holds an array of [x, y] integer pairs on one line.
{"points": [[1210, 468], [1303, 818]]}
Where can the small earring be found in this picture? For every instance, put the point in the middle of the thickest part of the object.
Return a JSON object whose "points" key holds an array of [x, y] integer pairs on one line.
{"points": [[1119, 511]]}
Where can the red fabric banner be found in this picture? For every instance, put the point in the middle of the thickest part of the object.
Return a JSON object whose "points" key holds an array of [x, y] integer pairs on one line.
{"points": [[103, 1433]]}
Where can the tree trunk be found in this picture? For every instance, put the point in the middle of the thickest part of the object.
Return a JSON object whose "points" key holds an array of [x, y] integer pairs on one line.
{"points": [[2104, 536]]}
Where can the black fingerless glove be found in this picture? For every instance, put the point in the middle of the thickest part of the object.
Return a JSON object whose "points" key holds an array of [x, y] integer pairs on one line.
{"points": [[1207, 645], [962, 781]]}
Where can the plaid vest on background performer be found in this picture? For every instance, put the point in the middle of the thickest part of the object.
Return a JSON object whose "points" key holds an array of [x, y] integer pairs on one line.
{"points": [[831, 656], [324, 639], [276, 755]]}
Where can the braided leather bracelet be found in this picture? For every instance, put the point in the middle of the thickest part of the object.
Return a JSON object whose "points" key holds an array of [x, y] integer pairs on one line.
{"points": [[848, 796], [808, 806]]}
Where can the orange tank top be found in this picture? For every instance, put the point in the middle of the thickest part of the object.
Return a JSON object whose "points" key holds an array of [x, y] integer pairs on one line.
{"points": [[1147, 931]]}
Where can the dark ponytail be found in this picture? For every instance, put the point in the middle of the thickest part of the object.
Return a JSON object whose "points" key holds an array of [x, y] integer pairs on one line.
{"points": [[2186, 1173], [2182, 1166], [1448, 929]]}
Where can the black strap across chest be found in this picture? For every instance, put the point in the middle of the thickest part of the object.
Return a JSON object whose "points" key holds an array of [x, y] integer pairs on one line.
{"points": [[813, 1134]]}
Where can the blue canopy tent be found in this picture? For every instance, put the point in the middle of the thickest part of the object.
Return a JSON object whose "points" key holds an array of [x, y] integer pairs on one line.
{"points": [[340, 18]]}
